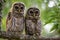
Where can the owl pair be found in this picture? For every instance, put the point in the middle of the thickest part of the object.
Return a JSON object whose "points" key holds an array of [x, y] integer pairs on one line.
{"points": [[16, 22]]}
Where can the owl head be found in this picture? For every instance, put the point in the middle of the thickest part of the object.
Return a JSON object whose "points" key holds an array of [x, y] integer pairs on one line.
{"points": [[18, 8], [33, 13]]}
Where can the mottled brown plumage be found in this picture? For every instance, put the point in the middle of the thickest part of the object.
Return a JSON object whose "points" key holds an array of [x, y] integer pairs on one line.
{"points": [[15, 18], [32, 22]]}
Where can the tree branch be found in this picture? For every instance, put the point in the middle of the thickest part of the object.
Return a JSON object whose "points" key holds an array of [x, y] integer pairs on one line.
{"points": [[13, 35]]}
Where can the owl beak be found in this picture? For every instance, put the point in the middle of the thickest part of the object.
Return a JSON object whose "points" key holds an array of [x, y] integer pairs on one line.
{"points": [[19, 11], [34, 14]]}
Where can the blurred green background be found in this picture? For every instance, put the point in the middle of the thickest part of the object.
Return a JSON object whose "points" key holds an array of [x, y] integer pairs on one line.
{"points": [[50, 15]]}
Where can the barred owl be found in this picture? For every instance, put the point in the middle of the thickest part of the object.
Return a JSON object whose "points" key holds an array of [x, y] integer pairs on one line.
{"points": [[15, 18], [32, 22]]}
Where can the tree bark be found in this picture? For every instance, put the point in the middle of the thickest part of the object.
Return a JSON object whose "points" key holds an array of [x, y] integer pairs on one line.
{"points": [[12, 35]]}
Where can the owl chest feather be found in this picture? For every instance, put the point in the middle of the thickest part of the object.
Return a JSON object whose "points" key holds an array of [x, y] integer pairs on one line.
{"points": [[30, 26], [17, 24], [33, 27]]}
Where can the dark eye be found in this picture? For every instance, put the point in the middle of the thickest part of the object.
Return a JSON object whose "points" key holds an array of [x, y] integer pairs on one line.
{"points": [[22, 7], [0, 4], [16, 7], [31, 11], [36, 12]]}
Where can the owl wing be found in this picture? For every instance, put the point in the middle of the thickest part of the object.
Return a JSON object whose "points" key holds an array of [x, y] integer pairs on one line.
{"points": [[8, 19], [38, 27], [29, 27]]}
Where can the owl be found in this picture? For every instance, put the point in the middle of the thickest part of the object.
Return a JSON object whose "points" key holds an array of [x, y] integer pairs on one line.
{"points": [[32, 22], [15, 18]]}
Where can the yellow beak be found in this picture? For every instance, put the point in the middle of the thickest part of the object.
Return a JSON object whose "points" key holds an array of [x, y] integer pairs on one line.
{"points": [[19, 11], [34, 14]]}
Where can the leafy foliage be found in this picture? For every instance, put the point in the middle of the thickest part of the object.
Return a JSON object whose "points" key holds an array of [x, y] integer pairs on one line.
{"points": [[48, 14], [52, 15]]}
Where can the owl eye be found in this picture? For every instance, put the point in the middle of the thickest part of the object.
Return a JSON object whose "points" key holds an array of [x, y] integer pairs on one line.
{"points": [[36, 12], [0, 4], [31, 11], [22, 7], [16, 7]]}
